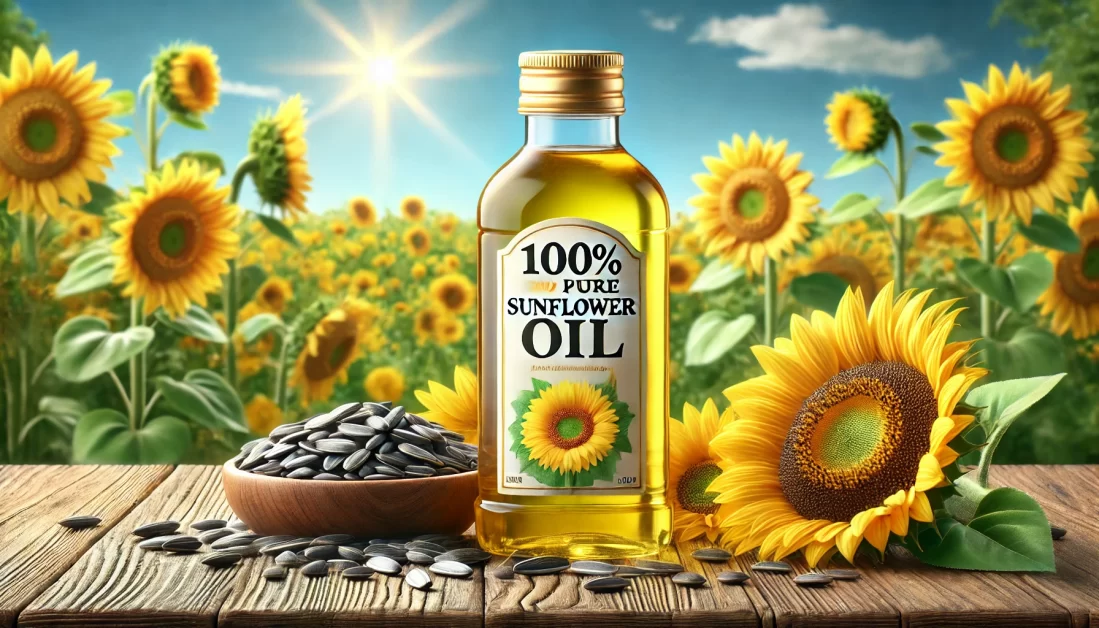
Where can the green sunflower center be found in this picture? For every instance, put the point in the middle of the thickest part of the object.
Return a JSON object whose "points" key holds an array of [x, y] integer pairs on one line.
{"points": [[173, 239], [40, 134], [691, 489], [752, 204], [849, 432], [1090, 264], [570, 427], [1012, 145]]}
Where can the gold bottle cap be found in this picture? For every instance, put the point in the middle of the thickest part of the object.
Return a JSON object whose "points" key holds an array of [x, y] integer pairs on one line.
{"points": [[582, 82]]}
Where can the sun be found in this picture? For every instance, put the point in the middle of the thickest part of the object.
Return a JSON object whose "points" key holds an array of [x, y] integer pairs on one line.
{"points": [[382, 71]]}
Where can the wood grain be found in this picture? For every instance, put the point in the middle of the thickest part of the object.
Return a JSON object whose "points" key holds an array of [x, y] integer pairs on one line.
{"points": [[335, 601], [117, 584], [35, 550]]}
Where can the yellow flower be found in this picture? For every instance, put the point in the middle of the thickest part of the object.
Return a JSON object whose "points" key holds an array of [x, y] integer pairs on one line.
{"points": [[693, 466], [278, 142], [419, 271], [384, 383], [362, 211], [452, 261], [417, 240], [383, 260], [413, 208], [863, 262], [569, 427], [53, 133], [378, 292], [331, 346], [368, 240], [447, 223], [1073, 297], [338, 228], [426, 323], [456, 409], [402, 307], [453, 292], [450, 330], [353, 250], [754, 202], [846, 431], [175, 238], [187, 79], [1014, 145], [394, 283], [263, 415], [364, 280], [86, 227], [682, 271], [274, 294], [858, 121]]}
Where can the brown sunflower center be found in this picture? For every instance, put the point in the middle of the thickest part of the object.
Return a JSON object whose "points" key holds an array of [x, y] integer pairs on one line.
{"points": [[272, 295], [453, 296], [754, 204], [168, 238], [571, 428], [361, 210], [334, 348], [426, 320], [196, 80], [691, 488], [677, 274], [418, 240], [1013, 146], [41, 134], [857, 440], [852, 270]]}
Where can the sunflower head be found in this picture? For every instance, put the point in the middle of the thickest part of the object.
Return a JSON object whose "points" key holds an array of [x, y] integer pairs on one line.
{"points": [[362, 211], [754, 202], [863, 262], [330, 347], [338, 228], [384, 383], [568, 427], [447, 223], [847, 430], [453, 292], [454, 409], [274, 294], [278, 142], [682, 272], [413, 208], [693, 467], [54, 137], [363, 280], [450, 330], [858, 121], [1073, 297], [86, 227], [427, 323], [175, 238], [417, 240], [186, 79], [1014, 144], [263, 415]]}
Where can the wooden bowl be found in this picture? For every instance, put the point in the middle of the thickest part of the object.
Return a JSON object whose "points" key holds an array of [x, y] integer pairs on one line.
{"points": [[376, 508]]}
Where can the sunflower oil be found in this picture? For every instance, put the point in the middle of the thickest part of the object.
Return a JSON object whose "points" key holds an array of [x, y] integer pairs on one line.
{"points": [[573, 322]]}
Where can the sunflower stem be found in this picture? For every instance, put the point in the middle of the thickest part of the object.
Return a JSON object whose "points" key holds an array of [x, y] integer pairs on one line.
{"points": [[899, 242], [26, 224], [770, 299], [10, 410], [230, 304], [24, 388], [136, 400], [988, 256], [280, 373], [972, 231]]}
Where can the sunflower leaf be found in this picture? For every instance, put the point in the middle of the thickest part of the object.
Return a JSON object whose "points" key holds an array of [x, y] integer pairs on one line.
{"points": [[92, 270], [251, 278], [820, 291], [930, 198], [1017, 286], [123, 100], [85, 347], [1003, 403], [196, 323], [189, 121], [850, 163], [716, 275], [103, 198], [927, 150], [927, 132], [852, 207], [251, 329], [1031, 352], [206, 159], [104, 436], [713, 334], [1050, 232], [277, 229], [206, 398]]}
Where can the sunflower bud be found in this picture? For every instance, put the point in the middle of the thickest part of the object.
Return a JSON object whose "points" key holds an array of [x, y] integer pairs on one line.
{"points": [[187, 79], [278, 143], [858, 121]]}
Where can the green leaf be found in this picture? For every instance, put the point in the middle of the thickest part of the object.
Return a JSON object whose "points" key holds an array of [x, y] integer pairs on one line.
{"points": [[103, 198], [1031, 352], [962, 506], [277, 229], [259, 325], [930, 198], [84, 347], [1016, 286], [195, 322], [1006, 401], [251, 278], [206, 159], [820, 291], [123, 100], [927, 150], [1009, 532], [189, 121], [91, 270], [927, 132], [104, 436], [854, 206], [713, 334], [850, 163], [1050, 232], [206, 398], [64, 407], [716, 275]]}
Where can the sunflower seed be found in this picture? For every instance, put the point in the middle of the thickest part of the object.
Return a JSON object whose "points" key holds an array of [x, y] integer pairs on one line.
{"points": [[239, 539], [812, 580], [238, 525], [842, 574], [409, 436], [322, 552], [208, 524], [451, 569], [332, 461], [279, 451], [300, 462], [419, 558], [159, 528], [593, 568], [384, 564], [711, 555], [428, 432], [156, 543], [210, 536], [218, 560], [351, 553], [466, 555], [327, 476], [354, 430], [310, 449], [255, 455], [394, 417], [629, 571], [294, 438], [289, 559], [246, 448], [387, 447], [426, 546], [541, 566], [503, 573], [772, 566], [397, 460], [418, 579], [358, 573], [659, 566], [301, 473], [392, 472], [415, 419], [285, 430], [321, 422], [332, 539], [80, 522], [181, 544], [418, 453], [265, 541], [275, 573], [378, 476], [379, 424], [356, 460], [689, 579], [1057, 533], [315, 569], [336, 445], [346, 410], [606, 584], [419, 471], [289, 546], [732, 577], [340, 564]]}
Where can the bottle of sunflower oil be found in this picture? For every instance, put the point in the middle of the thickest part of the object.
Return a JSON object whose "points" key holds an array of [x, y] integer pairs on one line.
{"points": [[573, 321]]}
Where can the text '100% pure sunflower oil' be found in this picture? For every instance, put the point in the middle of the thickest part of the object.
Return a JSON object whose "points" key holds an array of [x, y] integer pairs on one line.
{"points": [[573, 321]]}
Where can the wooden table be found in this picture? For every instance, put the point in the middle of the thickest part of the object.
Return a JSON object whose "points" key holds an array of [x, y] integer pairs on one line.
{"points": [[51, 576]]}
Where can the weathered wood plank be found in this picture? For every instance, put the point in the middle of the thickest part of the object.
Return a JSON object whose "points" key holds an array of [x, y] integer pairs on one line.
{"points": [[116, 584], [36, 551], [335, 601]]}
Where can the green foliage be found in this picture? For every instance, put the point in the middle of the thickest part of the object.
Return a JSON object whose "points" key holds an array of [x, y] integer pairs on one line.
{"points": [[17, 31], [278, 229], [851, 207], [85, 347], [92, 270], [259, 325], [849, 164], [819, 291], [930, 198], [105, 437], [208, 160], [714, 333], [205, 398], [927, 132], [196, 323], [1050, 232], [715, 276], [1030, 352], [103, 198], [1016, 286]]}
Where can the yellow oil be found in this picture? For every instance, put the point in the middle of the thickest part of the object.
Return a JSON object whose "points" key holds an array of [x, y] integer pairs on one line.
{"points": [[609, 186]]}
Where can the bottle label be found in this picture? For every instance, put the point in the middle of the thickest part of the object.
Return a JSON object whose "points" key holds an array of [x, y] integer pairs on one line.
{"points": [[570, 360]]}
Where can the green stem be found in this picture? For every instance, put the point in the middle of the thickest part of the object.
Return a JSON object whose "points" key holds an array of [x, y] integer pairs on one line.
{"points": [[899, 242], [988, 256], [230, 304], [136, 370], [972, 231], [770, 300], [280, 373], [10, 410], [1003, 245], [41, 368], [153, 138], [24, 388], [149, 406], [26, 231], [122, 393]]}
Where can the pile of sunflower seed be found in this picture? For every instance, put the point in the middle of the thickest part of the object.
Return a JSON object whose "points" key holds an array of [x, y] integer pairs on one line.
{"points": [[359, 441]]}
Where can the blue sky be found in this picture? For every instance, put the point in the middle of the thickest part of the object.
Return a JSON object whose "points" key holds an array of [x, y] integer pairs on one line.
{"points": [[696, 72]]}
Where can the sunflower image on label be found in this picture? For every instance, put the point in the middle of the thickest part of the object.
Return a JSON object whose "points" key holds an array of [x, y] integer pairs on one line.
{"points": [[570, 358]]}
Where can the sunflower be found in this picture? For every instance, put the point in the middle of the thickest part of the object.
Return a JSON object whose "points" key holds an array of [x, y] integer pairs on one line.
{"points": [[362, 211], [273, 295], [263, 415], [846, 431], [53, 137], [419, 271], [858, 121], [175, 238], [454, 409], [568, 427], [364, 280], [384, 260], [413, 208], [278, 142], [426, 323], [338, 228], [682, 271], [418, 241], [693, 466], [450, 330], [384, 383], [863, 262], [453, 292], [754, 203], [1073, 297], [187, 79], [331, 346], [1014, 144], [447, 223], [85, 227]]}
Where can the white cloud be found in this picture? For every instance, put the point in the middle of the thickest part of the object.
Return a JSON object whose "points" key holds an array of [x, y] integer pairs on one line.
{"points": [[800, 36], [263, 92], [666, 24]]}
